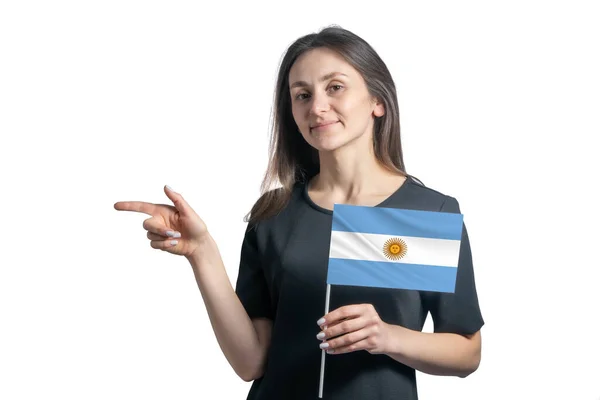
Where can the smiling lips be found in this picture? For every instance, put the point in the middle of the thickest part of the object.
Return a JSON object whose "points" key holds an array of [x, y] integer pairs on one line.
{"points": [[323, 125]]}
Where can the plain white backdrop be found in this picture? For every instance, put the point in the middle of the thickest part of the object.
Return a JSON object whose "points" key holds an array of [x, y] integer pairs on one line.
{"points": [[108, 101]]}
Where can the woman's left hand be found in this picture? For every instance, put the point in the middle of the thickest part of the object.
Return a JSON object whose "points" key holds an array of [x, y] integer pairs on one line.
{"points": [[351, 328]]}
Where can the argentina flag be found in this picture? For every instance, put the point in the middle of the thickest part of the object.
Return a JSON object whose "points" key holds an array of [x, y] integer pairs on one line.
{"points": [[394, 248]]}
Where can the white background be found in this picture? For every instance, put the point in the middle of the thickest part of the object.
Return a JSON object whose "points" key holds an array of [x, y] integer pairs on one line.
{"points": [[108, 101]]}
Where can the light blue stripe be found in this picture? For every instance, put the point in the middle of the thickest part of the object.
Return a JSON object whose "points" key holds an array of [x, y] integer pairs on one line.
{"points": [[397, 221], [391, 275]]}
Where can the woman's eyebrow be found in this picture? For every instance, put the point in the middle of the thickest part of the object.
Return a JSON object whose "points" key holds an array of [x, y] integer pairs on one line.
{"points": [[323, 78]]}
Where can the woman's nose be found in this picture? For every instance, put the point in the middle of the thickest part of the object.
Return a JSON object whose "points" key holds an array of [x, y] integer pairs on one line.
{"points": [[320, 103]]}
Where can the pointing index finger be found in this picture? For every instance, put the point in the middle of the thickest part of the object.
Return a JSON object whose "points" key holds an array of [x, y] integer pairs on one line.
{"points": [[137, 206]]}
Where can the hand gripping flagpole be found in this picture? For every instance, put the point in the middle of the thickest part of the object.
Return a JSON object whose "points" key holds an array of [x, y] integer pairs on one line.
{"points": [[324, 351]]}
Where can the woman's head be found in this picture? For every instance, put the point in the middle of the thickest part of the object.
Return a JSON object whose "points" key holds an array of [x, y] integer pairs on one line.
{"points": [[326, 89], [361, 102]]}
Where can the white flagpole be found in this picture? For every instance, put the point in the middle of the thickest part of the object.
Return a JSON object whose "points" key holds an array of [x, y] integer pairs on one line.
{"points": [[323, 351]]}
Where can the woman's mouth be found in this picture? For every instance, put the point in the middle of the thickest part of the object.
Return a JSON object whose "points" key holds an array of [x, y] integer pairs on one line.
{"points": [[324, 127]]}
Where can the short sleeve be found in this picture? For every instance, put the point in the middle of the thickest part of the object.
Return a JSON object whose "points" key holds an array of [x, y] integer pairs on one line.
{"points": [[251, 287], [457, 312]]}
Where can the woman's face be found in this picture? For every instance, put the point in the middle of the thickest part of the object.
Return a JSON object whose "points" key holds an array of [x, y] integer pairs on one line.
{"points": [[325, 89]]}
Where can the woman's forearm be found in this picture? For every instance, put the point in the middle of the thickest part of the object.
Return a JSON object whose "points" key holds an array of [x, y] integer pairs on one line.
{"points": [[233, 329], [434, 353]]}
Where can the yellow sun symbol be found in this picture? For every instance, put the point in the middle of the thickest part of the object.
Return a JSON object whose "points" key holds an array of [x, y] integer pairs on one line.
{"points": [[394, 248]]}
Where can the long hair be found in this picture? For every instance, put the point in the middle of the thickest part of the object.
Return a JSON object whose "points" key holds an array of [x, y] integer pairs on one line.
{"points": [[291, 159]]}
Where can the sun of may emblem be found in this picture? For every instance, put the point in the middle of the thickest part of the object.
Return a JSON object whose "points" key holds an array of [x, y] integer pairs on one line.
{"points": [[394, 248]]}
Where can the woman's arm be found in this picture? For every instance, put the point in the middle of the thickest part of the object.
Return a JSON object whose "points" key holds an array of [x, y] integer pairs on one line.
{"points": [[434, 353], [244, 342], [359, 327]]}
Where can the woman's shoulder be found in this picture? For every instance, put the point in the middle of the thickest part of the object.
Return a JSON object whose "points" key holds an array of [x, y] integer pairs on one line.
{"points": [[417, 194], [277, 204]]}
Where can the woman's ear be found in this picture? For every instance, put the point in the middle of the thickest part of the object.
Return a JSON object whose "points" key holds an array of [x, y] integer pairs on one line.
{"points": [[379, 109]]}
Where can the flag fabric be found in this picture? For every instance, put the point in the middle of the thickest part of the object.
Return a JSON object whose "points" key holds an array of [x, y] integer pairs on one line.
{"points": [[394, 248]]}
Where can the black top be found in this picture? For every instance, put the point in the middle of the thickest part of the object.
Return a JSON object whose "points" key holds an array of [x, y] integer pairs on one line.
{"points": [[282, 276]]}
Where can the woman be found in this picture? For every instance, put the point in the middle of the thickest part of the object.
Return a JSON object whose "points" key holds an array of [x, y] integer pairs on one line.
{"points": [[336, 140]]}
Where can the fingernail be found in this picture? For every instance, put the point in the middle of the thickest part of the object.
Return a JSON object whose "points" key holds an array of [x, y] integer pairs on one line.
{"points": [[173, 234], [171, 189], [329, 351], [173, 242], [324, 345], [321, 335], [321, 321]]}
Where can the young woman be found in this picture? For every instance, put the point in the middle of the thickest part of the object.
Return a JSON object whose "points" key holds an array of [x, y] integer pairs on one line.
{"points": [[336, 140]]}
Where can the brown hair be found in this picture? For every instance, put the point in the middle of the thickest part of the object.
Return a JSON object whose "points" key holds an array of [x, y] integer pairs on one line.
{"points": [[291, 159]]}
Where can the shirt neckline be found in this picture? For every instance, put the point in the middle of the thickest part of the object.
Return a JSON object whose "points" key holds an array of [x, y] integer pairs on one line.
{"points": [[330, 212]]}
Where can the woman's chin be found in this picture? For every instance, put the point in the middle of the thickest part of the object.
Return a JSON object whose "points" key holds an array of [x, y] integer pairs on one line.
{"points": [[328, 145], [324, 143], [328, 141]]}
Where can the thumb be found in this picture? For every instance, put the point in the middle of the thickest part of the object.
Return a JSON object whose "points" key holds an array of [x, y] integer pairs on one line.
{"points": [[180, 204]]}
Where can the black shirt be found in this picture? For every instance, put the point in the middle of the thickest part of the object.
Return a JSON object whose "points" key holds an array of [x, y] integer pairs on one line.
{"points": [[282, 276]]}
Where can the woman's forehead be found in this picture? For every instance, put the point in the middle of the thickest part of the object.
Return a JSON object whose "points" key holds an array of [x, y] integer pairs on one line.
{"points": [[318, 64]]}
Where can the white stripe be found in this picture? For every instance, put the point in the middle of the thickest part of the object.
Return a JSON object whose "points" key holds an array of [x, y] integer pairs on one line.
{"points": [[369, 246]]}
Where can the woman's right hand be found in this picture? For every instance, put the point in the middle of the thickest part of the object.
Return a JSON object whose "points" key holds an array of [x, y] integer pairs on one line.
{"points": [[168, 223]]}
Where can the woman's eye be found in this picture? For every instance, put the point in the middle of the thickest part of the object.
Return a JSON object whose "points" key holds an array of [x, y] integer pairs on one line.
{"points": [[299, 96]]}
